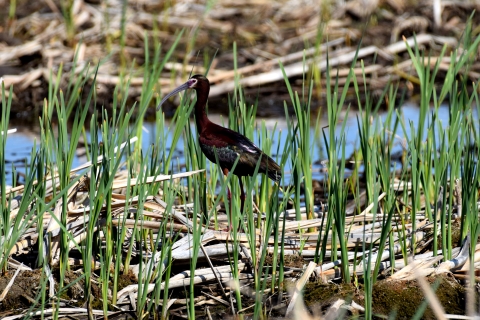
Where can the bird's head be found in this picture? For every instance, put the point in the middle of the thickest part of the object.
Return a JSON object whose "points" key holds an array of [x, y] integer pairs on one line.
{"points": [[197, 80], [194, 82]]}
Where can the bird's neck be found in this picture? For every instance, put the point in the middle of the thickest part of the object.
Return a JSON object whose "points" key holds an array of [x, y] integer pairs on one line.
{"points": [[200, 112]]}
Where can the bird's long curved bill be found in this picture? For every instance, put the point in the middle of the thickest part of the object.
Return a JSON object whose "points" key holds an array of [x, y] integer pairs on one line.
{"points": [[175, 91]]}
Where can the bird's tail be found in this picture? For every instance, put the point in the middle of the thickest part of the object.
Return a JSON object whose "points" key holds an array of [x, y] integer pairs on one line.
{"points": [[270, 168]]}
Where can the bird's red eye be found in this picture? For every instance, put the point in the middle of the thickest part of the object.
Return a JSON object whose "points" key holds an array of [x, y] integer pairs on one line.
{"points": [[192, 83]]}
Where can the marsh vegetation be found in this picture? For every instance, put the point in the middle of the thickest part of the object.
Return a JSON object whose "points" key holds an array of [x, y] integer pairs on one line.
{"points": [[388, 229]]}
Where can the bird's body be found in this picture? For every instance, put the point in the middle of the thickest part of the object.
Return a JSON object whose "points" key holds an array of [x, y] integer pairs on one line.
{"points": [[226, 145], [236, 145]]}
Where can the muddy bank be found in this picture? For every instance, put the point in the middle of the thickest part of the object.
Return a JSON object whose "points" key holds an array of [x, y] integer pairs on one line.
{"points": [[400, 298]]}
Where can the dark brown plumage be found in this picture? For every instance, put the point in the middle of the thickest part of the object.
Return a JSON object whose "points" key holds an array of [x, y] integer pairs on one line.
{"points": [[226, 143]]}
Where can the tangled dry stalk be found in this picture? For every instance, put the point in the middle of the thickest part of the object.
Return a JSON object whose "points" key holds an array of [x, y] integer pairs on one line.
{"points": [[38, 42]]}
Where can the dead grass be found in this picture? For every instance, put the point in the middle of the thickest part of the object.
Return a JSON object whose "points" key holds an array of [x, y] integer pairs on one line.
{"points": [[36, 43]]}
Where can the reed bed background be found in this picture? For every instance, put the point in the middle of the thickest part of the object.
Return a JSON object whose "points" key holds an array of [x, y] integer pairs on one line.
{"points": [[136, 233], [36, 39]]}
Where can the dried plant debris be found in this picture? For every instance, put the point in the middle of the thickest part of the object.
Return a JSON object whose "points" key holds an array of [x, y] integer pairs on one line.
{"points": [[39, 40], [299, 240]]}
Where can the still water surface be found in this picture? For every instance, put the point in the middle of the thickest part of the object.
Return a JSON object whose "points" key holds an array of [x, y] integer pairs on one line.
{"points": [[20, 144]]}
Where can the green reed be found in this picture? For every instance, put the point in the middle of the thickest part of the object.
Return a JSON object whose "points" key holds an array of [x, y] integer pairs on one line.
{"points": [[68, 17], [438, 159], [13, 226]]}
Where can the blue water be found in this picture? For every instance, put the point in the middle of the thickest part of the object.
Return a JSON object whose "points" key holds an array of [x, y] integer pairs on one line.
{"points": [[20, 144]]}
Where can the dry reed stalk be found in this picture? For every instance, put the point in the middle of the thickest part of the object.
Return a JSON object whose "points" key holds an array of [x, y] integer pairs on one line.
{"points": [[299, 286], [47, 31], [45, 36]]}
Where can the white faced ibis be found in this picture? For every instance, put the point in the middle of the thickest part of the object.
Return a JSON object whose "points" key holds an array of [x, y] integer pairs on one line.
{"points": [[226, 143]]}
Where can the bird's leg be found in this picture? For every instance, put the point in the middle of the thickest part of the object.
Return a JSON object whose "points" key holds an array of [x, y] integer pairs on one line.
{"points": [[229, 197], [242, 195], [242, 198]]}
